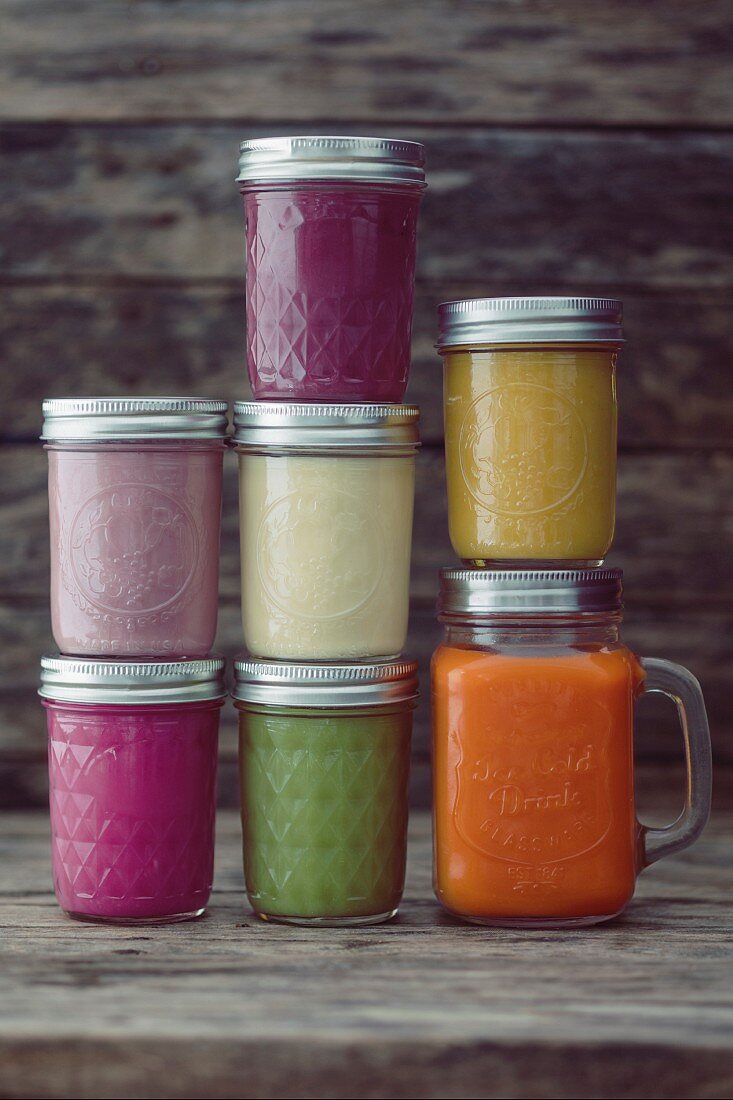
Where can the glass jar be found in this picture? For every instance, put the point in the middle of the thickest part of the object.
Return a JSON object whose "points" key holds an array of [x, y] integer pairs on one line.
{"points": [[326, 497], [324, 764], [132, 752], [331, 230], [530, 428], [533, 705], [134, 488]]}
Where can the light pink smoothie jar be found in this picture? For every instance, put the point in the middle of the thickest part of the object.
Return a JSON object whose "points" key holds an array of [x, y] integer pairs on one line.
{"points": [[134, 490], [331, 229], [132, 749]]}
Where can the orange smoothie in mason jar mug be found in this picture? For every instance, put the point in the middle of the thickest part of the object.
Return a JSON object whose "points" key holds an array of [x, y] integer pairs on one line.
{"points": [[530, 427], [533, 770]]}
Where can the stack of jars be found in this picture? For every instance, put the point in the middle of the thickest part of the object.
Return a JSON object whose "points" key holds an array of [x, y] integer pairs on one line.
{"points": [[133, 698], [327, 468], [533, 691]]}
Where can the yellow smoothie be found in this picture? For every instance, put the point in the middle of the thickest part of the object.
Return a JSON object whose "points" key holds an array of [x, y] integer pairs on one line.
{"points": [[530, 443]]}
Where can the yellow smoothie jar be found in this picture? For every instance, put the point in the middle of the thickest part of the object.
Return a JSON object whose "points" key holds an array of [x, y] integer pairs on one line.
{"points": [[530, 428]]}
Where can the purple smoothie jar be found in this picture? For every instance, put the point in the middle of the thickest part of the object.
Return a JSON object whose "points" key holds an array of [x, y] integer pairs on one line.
{"points": [[331, 230], [132, 750], [134, 490]]}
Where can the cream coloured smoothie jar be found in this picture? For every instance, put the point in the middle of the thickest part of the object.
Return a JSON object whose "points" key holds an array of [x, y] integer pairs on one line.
{"points": [[530, 428], [135, 512], [326, 500]]}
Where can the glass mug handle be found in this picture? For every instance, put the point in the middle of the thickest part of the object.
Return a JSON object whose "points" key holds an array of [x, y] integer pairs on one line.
{"points": [[679, 685]]}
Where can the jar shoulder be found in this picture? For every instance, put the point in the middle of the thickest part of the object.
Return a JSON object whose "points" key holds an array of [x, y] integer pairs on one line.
{"points": [[484, 659]]}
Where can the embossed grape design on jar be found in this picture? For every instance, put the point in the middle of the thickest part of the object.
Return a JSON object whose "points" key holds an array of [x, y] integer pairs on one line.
{"points": [[326, 497], [135, 513], [324, 766], [132, 754], [533, 758], [331, 232], [530, 428]]}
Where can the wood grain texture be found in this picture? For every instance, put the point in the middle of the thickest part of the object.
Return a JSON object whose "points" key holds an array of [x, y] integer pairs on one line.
{"points": [[153, 337], [587, 208], [571, 148], [564, 61], [421, 1007]]}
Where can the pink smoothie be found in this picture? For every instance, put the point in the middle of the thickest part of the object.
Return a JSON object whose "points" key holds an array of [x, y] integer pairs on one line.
{"points": [[133, 794], [330, 279], [135, 547]]}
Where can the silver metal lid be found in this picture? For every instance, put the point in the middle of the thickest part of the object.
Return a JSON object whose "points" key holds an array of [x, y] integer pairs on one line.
{"points": [[474, 593], [267, 425], [529, 321], [316, 157], [89, 680], [280, 683], [133, 418]]}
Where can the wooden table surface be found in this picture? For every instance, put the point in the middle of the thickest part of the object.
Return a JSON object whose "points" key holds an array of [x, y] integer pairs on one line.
{"points": [[422, 1007]]}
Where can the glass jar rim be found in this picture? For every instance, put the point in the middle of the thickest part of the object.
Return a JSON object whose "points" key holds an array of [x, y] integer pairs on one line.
{"points": [[266, 425], [322, 157], [550, 319], [138, 682], [479, 594], [324, 685], [138, 419]]}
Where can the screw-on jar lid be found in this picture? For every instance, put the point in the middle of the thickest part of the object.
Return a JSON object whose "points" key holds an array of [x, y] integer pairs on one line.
{"points": [[284, 684], [474, 593], [274, 425], [473, 321], [85, 419], [139, 683], [368, 159]]}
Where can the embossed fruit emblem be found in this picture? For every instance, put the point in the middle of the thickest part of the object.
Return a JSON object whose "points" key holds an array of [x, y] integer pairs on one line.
{"points": [[507, 436], [133, 549], [320, 558], [540, 792]]}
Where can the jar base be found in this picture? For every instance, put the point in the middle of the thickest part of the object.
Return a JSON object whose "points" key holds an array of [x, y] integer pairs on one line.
{"points": [[173, 918], [536, 924], [329, 922], [532, 563]]}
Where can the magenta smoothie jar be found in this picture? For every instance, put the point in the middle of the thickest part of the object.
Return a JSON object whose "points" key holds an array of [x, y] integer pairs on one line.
{"points": [[132, 752], [135, 512], [331, 230]]}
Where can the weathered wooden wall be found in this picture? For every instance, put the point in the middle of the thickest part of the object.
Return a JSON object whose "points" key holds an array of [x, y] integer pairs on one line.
{"points": [[572, 146]]}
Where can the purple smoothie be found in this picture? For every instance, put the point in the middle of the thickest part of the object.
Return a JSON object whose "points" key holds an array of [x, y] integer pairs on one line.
{"points": [[330, 280], [133, 794]]}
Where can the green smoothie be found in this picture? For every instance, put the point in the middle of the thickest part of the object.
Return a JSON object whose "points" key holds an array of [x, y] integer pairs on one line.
{"points": [[324, 810]]}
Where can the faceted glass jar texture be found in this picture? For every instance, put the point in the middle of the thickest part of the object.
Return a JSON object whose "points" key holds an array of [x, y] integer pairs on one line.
{"points": [[133, 798], [330, 283], [324, 811]]}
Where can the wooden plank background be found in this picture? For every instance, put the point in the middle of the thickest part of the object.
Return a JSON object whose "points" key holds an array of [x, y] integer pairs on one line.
{"points": [[572, 147]]}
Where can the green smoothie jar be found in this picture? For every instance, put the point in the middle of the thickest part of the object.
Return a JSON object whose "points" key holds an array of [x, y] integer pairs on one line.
{"points": [[324, 752]]}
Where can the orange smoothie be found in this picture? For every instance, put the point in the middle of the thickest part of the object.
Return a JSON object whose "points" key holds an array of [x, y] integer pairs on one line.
{"points": [[533, 783]]}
